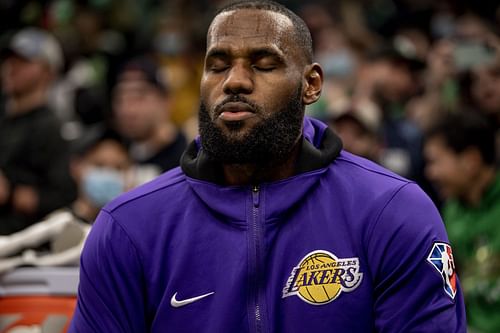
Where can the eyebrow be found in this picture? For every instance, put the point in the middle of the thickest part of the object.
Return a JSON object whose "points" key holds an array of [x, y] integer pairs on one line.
{"points": [[267, 53], [217, 53]]}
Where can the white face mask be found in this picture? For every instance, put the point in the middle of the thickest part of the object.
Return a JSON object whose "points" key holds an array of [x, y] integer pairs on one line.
{"points": [[101, 185]]}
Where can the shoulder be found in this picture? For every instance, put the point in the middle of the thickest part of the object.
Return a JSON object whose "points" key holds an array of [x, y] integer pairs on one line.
{"points": [[365, 176], [359, 166], [360, 178], [46, 116], [44, 126], [380, 200]]}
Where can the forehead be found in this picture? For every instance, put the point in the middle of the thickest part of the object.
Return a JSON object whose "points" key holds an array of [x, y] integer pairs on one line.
{"points": [[133, 85], [251, 27], [437, 144], [108, 151]]}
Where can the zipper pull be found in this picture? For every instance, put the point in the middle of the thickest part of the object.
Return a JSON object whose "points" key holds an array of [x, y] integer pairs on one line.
{"points": [[255, 195]]}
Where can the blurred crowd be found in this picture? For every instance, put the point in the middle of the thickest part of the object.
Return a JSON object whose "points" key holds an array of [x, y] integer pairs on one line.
{"points": [[99, 96]]}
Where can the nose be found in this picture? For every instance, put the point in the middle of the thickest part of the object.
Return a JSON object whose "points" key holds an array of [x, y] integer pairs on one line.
{"points": [[239, 80]]}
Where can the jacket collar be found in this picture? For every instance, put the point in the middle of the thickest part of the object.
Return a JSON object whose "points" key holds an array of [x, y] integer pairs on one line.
{"points": [[320, 147]]}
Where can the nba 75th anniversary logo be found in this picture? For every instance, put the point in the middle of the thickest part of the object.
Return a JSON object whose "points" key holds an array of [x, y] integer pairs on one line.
{"points": [[321, 277]]}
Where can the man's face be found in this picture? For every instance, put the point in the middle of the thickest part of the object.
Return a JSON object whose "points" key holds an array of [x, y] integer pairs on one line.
{"points": [[395, 82], [139, 107], [251, 89], [486, 88], [21, 76], [446, 169]]}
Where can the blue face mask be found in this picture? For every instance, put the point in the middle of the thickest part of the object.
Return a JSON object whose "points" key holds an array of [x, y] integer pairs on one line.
{"points": [[101, 185]]}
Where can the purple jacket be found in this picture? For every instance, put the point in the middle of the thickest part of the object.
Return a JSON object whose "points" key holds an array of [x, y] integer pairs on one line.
{"points": [[342, 246]]}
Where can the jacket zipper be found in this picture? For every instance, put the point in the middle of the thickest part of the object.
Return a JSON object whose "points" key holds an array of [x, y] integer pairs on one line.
{"points": [[256, 262]]}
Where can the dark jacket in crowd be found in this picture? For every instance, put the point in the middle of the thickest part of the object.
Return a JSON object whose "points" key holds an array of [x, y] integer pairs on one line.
{"points": [[33, 153]]}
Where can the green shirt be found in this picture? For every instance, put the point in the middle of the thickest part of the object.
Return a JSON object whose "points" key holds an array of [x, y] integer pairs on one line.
{"points": [[474, 233]]}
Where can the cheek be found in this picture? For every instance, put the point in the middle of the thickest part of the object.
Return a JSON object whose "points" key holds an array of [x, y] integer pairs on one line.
{"points": [[273, 95], [209, 92], [210, 84], [29, 72], [402, 82], [448, 175], [17, 77]]}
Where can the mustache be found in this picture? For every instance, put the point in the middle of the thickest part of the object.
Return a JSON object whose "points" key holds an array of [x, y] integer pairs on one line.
{"points": [[237, 98]]}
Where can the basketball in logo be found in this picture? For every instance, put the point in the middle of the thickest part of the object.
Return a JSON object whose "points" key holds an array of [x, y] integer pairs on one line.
{"points": [[321, 277], [318, 293]]}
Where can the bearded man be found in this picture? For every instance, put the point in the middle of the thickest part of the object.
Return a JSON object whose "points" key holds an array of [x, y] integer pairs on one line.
{"points": [[267, 226]]}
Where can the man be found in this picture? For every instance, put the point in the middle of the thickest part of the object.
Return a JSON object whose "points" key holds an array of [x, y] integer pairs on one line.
{"points": [[34, 171], [141, 110], [268, 226], [460, 149]]}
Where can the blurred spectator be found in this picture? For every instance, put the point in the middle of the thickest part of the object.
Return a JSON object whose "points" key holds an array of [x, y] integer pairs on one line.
{"points": [[461, 163], [80, 97], [180, 54], [390, 79], [440, 90], [359, 127], [34, 171], [485, 90], [480, 84], [100, 166], [141, 109]]}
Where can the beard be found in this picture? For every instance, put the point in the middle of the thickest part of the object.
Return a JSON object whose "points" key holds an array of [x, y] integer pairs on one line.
{"points": [[268, 143]]}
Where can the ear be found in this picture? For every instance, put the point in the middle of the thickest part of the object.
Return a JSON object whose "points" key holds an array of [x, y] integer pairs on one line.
{"points": [[313, 78]]}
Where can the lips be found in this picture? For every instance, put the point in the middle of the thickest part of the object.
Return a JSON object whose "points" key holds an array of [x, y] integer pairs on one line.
{"points": [[235, 111]]}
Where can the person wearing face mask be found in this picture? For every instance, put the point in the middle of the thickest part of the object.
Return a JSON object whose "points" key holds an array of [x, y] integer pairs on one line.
{"points": [[99, 165]]}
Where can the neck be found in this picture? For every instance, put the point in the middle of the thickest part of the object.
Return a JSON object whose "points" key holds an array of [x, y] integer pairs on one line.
{"points": [[19, 104], [479, 185], [244, 174]]}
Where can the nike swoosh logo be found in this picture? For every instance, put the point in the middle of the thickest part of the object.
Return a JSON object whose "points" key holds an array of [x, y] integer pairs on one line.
{"points": [[177, 304]]}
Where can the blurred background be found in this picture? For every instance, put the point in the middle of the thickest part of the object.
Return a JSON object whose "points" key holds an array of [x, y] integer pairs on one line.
{"points": [[99, 96]]}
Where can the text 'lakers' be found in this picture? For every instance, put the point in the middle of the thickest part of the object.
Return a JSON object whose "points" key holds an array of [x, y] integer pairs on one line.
{"points": [[321, 277]]}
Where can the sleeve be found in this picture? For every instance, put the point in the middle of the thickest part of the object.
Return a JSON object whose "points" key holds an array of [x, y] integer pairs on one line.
{"points": [[415, 286], [111, 290]]}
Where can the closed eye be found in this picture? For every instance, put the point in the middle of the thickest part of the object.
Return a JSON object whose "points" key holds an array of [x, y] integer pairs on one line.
{"points": [[264, 68], [218, 68], [266, 60], [217, 61]]}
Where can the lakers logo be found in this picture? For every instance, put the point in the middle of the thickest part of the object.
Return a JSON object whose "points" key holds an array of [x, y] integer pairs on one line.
{"points": [[321, 277]]}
